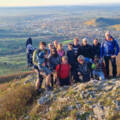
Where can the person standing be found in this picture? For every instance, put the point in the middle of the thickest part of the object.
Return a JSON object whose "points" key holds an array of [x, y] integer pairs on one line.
{"points": [[96, 48], [86, 50], [110, 50]]}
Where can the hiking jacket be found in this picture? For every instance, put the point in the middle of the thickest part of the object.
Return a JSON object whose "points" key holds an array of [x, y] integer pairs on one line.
{"points": [[38, 57], [71, 57], [96, 49], [109, 48], [86, 51], [53, 61], [84, 68], [76, 50]]}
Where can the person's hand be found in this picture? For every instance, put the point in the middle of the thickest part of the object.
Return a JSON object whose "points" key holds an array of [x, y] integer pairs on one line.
{"points": [[113, 56]]}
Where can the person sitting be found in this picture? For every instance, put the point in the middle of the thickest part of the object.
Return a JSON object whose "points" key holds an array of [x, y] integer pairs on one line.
{"points": [[83, 69], [64, 72], [86, 50], [41, 66], [98, 68], [60, 50]]}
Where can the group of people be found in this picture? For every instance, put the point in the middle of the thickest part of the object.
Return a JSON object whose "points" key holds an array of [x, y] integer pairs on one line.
{"points": [[79, 63]]}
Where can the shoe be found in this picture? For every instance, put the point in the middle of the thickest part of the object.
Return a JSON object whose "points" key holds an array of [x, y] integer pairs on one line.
{"points": [[48, 88]]}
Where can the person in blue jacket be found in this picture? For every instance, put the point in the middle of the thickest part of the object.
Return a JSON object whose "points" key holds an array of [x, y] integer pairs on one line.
{"points": [[110, 50]]}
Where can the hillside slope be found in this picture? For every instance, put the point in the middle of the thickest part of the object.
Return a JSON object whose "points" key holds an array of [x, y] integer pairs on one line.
{"points": [[95, 100], [103, 22]]}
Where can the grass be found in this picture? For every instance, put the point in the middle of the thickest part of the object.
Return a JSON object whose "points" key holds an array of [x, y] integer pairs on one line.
{"points": [[20, 98], [13, 64]]}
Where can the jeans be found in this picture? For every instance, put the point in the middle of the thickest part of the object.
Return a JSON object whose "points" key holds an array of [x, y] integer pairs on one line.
{"points": [[114, 66], [99, 75]]}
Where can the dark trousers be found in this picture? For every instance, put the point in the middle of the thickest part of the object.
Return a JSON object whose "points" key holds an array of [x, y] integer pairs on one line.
{"points": [[114, 66]]}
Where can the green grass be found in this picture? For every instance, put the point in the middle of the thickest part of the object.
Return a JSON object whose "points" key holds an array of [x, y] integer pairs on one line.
{"points": [[67, 42], [12, 64]]}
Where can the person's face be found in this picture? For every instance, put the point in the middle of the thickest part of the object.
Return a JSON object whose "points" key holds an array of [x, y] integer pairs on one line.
{"points": [[55, 43], [42, 47], [107, 36], [84, 42], [70, 47], [76, 41], [53, 52], [95, 42], [60, 46], [50, 46], [64, 61], [81, 61]]}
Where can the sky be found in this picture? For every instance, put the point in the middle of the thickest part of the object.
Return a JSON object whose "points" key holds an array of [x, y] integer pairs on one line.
{"points": [[15, 3]]}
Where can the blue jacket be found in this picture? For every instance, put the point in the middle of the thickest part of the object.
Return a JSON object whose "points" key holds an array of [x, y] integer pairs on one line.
{"points": [[109, 48]]}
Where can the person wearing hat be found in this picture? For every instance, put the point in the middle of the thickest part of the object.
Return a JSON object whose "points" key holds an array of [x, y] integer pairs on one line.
{"points": [[83, 69], [109, 51]]}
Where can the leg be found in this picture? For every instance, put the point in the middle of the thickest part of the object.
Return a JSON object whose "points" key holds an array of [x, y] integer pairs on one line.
{"points": [[114, 67], [39, 79], [107, 65], [101, 75], [48, 81]]}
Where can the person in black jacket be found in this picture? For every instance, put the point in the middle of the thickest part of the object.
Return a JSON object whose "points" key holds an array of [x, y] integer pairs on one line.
{"points": [[83, 69], [76, 47], [86, 49], [96, 48], [71, 55]]}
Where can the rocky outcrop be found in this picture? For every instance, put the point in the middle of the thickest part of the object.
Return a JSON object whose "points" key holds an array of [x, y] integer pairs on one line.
{"points": [[95, 100]]}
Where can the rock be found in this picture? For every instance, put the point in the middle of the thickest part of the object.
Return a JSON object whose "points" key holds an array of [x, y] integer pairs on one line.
{"points": [[108, 88]]}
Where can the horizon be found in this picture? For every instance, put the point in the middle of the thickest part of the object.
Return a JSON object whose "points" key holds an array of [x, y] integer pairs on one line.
{"points": [[87, 5], [47, 3]]}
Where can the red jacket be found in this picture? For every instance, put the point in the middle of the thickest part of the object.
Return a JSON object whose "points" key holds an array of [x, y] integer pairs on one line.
{"points": [[63, 70]]}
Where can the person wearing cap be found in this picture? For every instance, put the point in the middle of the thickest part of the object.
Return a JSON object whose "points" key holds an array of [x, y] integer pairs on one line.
{"points": [[83, 69], [96, 47], [110, 50], [86, 49]]}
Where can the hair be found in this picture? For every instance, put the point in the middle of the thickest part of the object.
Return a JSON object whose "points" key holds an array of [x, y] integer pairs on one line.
{"points": [[43, 43], [70, 44], [64, 58], [60, 44], [84, 39], [81, 57], [96, 39], [76, 38]]}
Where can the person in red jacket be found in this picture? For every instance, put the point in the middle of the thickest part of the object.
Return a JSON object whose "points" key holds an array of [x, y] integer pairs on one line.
{"points": [[64, 72]]}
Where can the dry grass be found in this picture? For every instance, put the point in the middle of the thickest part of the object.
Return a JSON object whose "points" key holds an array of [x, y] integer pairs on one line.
{"points": [[4, 79], [15, 99]]}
